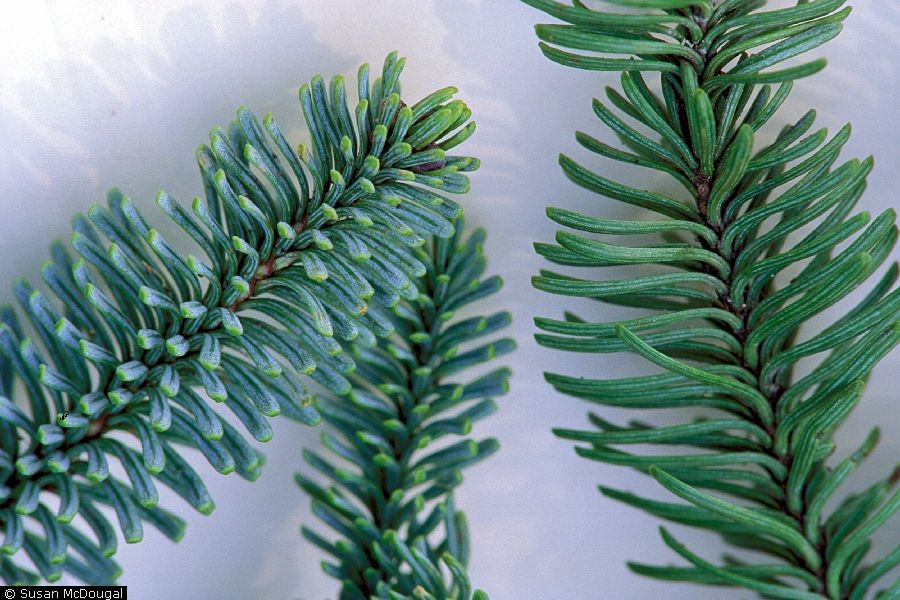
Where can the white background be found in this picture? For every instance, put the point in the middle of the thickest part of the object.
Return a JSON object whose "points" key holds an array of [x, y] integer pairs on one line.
{"points": [[96, 94]]}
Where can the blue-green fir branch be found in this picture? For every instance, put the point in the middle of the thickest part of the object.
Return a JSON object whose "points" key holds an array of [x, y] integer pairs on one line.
{"points": [[760, 238], [299, 251], [399, 446]]}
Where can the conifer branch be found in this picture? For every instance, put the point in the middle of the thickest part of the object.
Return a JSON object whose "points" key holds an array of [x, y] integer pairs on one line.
{"points": [[734, 293], [398, 437], [301, 252]]}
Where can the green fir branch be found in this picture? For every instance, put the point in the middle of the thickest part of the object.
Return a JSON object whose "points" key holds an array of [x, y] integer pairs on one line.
{"points": [[300, 252], [767, 241], [403, 439]]}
